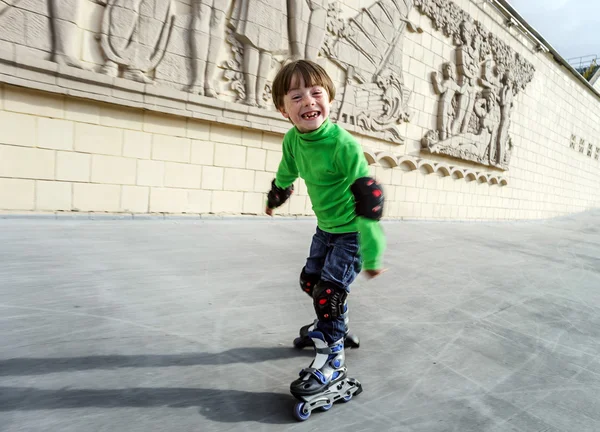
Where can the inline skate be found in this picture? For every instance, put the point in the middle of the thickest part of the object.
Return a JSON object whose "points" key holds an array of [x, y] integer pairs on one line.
{"points": [[325, 381]]}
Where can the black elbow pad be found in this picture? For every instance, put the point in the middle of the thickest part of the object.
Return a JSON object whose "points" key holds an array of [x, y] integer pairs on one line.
{"points": [[368, 195]]}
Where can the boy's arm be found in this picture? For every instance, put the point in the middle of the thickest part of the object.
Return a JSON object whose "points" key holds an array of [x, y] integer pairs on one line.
{"points": [[282, 185], [372, 239], [287, 172]]}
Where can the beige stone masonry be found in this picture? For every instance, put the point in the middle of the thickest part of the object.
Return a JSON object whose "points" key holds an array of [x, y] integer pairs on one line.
{"points": [[180, 175], [113, 170], [238, 180], [17, 129], [78, 140], [150, 173], [73, 166], [53, 195], [168, 148], [26, 162], [55, 134], [17, 194], [98, 139], [96, 197], [232, 156], [137, 144], [134, 199]]}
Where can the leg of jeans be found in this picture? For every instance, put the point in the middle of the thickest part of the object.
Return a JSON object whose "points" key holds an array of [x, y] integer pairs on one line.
{"points": [[318, 253], [341, 266]]}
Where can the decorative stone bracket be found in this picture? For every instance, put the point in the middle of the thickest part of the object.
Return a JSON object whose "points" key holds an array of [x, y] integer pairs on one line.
{"points": [[412, 163]]}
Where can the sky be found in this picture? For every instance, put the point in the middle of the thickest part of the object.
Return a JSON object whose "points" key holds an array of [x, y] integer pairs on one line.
{"points": [[572, 27]]}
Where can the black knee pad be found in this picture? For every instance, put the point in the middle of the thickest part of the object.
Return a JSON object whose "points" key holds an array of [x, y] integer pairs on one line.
{"points": [[308, 282], [329, 300]]}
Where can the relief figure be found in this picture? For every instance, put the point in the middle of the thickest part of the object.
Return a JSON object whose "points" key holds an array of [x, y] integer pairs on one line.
{"points": [[206, 38], [447, 88], [258, 26], [306, 40], [133, 41]]}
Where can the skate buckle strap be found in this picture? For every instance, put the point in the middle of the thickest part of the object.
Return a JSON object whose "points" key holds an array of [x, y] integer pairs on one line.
{"points": [[316, 373]]}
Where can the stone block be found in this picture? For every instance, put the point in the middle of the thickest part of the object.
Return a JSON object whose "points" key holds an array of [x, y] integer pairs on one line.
{"points": [[55, 134], [273, 160], [121, 117], [198, 129], [254, 203], [203, 152], [82, 110], [199, 201], [33, 102], [181, 175], [17, 194], [53, 195], [225, 134], [98, 139], [256, 159], [113, 170], [26, 162], [17, 129], [134, 199], [170, 148], [262, 181], [231, 156], [165, 124], [252, 138], [137, 144], [71, 166], [150, 173], [168, 200], [96, 197], [227, 202], [238, 180], [212, 178], [297, 204]]}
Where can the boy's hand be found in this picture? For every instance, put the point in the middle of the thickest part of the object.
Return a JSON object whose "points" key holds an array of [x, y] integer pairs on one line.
{"points": [[374, 273], [269, 211]]}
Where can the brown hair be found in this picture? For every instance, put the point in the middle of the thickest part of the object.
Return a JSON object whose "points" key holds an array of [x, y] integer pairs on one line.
{"points": [[311, 73]]}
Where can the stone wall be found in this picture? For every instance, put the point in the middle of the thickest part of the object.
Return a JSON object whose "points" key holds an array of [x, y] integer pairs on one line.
{"points": [[163, 107]]}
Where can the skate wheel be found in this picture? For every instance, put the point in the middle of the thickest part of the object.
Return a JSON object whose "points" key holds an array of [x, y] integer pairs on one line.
{"points": [[299, 411], [347, 398], [327, 407]]}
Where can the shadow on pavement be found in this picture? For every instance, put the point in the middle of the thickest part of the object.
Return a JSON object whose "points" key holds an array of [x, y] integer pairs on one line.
{"points": [[40, 366], [228, 406]]}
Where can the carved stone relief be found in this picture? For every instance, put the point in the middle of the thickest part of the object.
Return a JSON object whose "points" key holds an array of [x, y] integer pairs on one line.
{"points": [[257, 25], [475, 110], [368, 47], [181, 45], [134, 36], [206, 38], [60, 30]]}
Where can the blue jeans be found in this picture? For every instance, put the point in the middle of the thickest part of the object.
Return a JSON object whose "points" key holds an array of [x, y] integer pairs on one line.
{"points": [[334, 258]]}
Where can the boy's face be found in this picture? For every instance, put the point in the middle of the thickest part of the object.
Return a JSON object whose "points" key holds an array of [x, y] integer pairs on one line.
{"points": [[306, 107]]}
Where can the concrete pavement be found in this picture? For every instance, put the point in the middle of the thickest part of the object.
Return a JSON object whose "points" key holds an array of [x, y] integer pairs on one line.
{"points": [[181, 325]]}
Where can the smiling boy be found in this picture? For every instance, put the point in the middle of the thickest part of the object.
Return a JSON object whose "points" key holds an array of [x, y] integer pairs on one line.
{"points": [[347, 203]]}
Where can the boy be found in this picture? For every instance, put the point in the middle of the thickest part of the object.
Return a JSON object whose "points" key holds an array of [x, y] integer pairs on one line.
{"points": [[347, 203]]}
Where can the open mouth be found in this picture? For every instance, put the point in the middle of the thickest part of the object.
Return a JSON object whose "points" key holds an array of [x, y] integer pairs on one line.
{"points": [[311, 115]]}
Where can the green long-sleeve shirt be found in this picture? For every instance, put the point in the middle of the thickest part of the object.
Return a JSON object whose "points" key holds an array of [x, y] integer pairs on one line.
{"points": [[330, 160]]}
